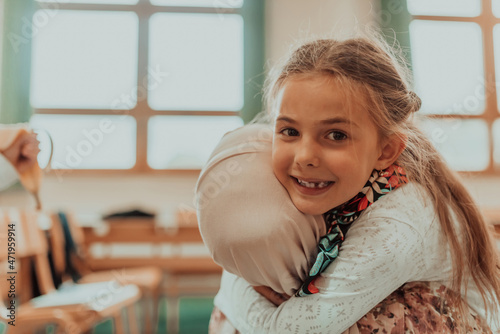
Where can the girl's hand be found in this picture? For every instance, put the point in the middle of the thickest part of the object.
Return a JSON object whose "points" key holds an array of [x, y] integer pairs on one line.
{"points": [[271, 295], [23, 152]]}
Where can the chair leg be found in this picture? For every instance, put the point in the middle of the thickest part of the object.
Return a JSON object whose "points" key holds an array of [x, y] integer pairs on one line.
{"points": [[147, 315], [132, 320], [150, 306], [155, 299], [118, 322], [173, 314]]}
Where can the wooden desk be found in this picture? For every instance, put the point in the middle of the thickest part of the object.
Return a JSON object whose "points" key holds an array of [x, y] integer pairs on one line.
{"points": [[178, 271], [146, 231]]}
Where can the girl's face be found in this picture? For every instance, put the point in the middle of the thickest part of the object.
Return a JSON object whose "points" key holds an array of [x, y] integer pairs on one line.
{"points": [[323, 153]]}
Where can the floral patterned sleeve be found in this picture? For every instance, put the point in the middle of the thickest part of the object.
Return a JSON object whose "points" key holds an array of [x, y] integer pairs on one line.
{"points": [[378, 256]]}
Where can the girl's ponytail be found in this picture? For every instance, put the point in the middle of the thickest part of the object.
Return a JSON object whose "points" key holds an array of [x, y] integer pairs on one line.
{"points": [[472, 246]]}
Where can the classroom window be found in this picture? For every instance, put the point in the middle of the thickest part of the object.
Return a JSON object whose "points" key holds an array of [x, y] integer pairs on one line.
{"points": [[452, 55], [84, 59], [202, 3], [90, 141], [168, 77], [185, 131], [455, 57], [203, 57]]}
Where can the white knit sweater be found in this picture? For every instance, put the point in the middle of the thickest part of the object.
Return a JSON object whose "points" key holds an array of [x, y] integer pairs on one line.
{"points": [[396, 240]]}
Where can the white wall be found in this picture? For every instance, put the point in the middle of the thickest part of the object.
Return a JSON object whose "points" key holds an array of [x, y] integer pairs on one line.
{"points": [[286, 21], [292, 21]]}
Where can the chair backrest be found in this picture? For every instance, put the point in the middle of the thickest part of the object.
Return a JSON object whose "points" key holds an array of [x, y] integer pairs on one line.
{"points": [[4, 235], [57, 246], [37, 238], [4, 257], [31, 243], [20, 260], [12, 220], [63, 228], [76, 232]]}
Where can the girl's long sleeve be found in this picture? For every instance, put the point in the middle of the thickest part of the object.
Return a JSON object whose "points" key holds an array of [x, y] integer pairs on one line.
{"points": [[377, 257]]}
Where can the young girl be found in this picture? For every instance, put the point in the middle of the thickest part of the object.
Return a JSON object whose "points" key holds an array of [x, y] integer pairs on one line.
{"points": [[342, 114]]}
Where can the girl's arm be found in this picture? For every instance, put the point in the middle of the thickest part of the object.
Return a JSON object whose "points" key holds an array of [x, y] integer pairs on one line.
{"points": [[377, 257]]}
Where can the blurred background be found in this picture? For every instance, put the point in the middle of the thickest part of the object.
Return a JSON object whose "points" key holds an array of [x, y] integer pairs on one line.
{"points": [[136, 94]]}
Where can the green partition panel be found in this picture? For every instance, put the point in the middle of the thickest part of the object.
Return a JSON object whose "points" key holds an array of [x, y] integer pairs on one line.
{"points": [[105, 327], [16, 61], [195, 314]]}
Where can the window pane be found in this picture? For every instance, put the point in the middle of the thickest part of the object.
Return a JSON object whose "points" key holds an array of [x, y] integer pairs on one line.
{"points": [[203, 56], [496, 42], [90, 142], [445, 7], [104, 2], [496, 7], [84, 59], [200, 3], [447, 62], [463, 143], [496, 141], [186, 142]]}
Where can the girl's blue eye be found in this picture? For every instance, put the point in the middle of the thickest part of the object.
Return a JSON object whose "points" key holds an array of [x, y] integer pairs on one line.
{"points": [[337, 136], [289, 132]]}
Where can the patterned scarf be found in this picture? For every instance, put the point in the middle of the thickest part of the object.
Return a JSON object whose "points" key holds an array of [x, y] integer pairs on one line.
{"points": [[340, 218]]}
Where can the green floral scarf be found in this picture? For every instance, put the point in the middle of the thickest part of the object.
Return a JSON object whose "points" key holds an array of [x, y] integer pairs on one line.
{"points": [[340, 218]]}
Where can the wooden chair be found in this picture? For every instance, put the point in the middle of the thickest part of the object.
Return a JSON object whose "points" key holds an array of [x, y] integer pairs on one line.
{"points": [[65, 230], [31, 318], [76, 308], [179, 271]]}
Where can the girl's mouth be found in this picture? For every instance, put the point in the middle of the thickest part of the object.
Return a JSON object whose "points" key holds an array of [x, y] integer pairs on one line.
{"points": [[312, 188]]}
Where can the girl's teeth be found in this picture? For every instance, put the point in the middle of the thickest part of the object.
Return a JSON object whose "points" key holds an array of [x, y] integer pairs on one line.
{"points": [[313, 185]]}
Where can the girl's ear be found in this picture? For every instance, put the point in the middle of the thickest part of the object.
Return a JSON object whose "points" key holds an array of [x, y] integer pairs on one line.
{"points": [[391, 149]]}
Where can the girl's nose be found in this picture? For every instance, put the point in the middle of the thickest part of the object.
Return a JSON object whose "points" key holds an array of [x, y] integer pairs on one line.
{"points": [[306, 155]]}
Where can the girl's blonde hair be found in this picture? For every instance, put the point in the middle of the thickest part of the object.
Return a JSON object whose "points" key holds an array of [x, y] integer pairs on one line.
{"points": [[376, 68]]}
